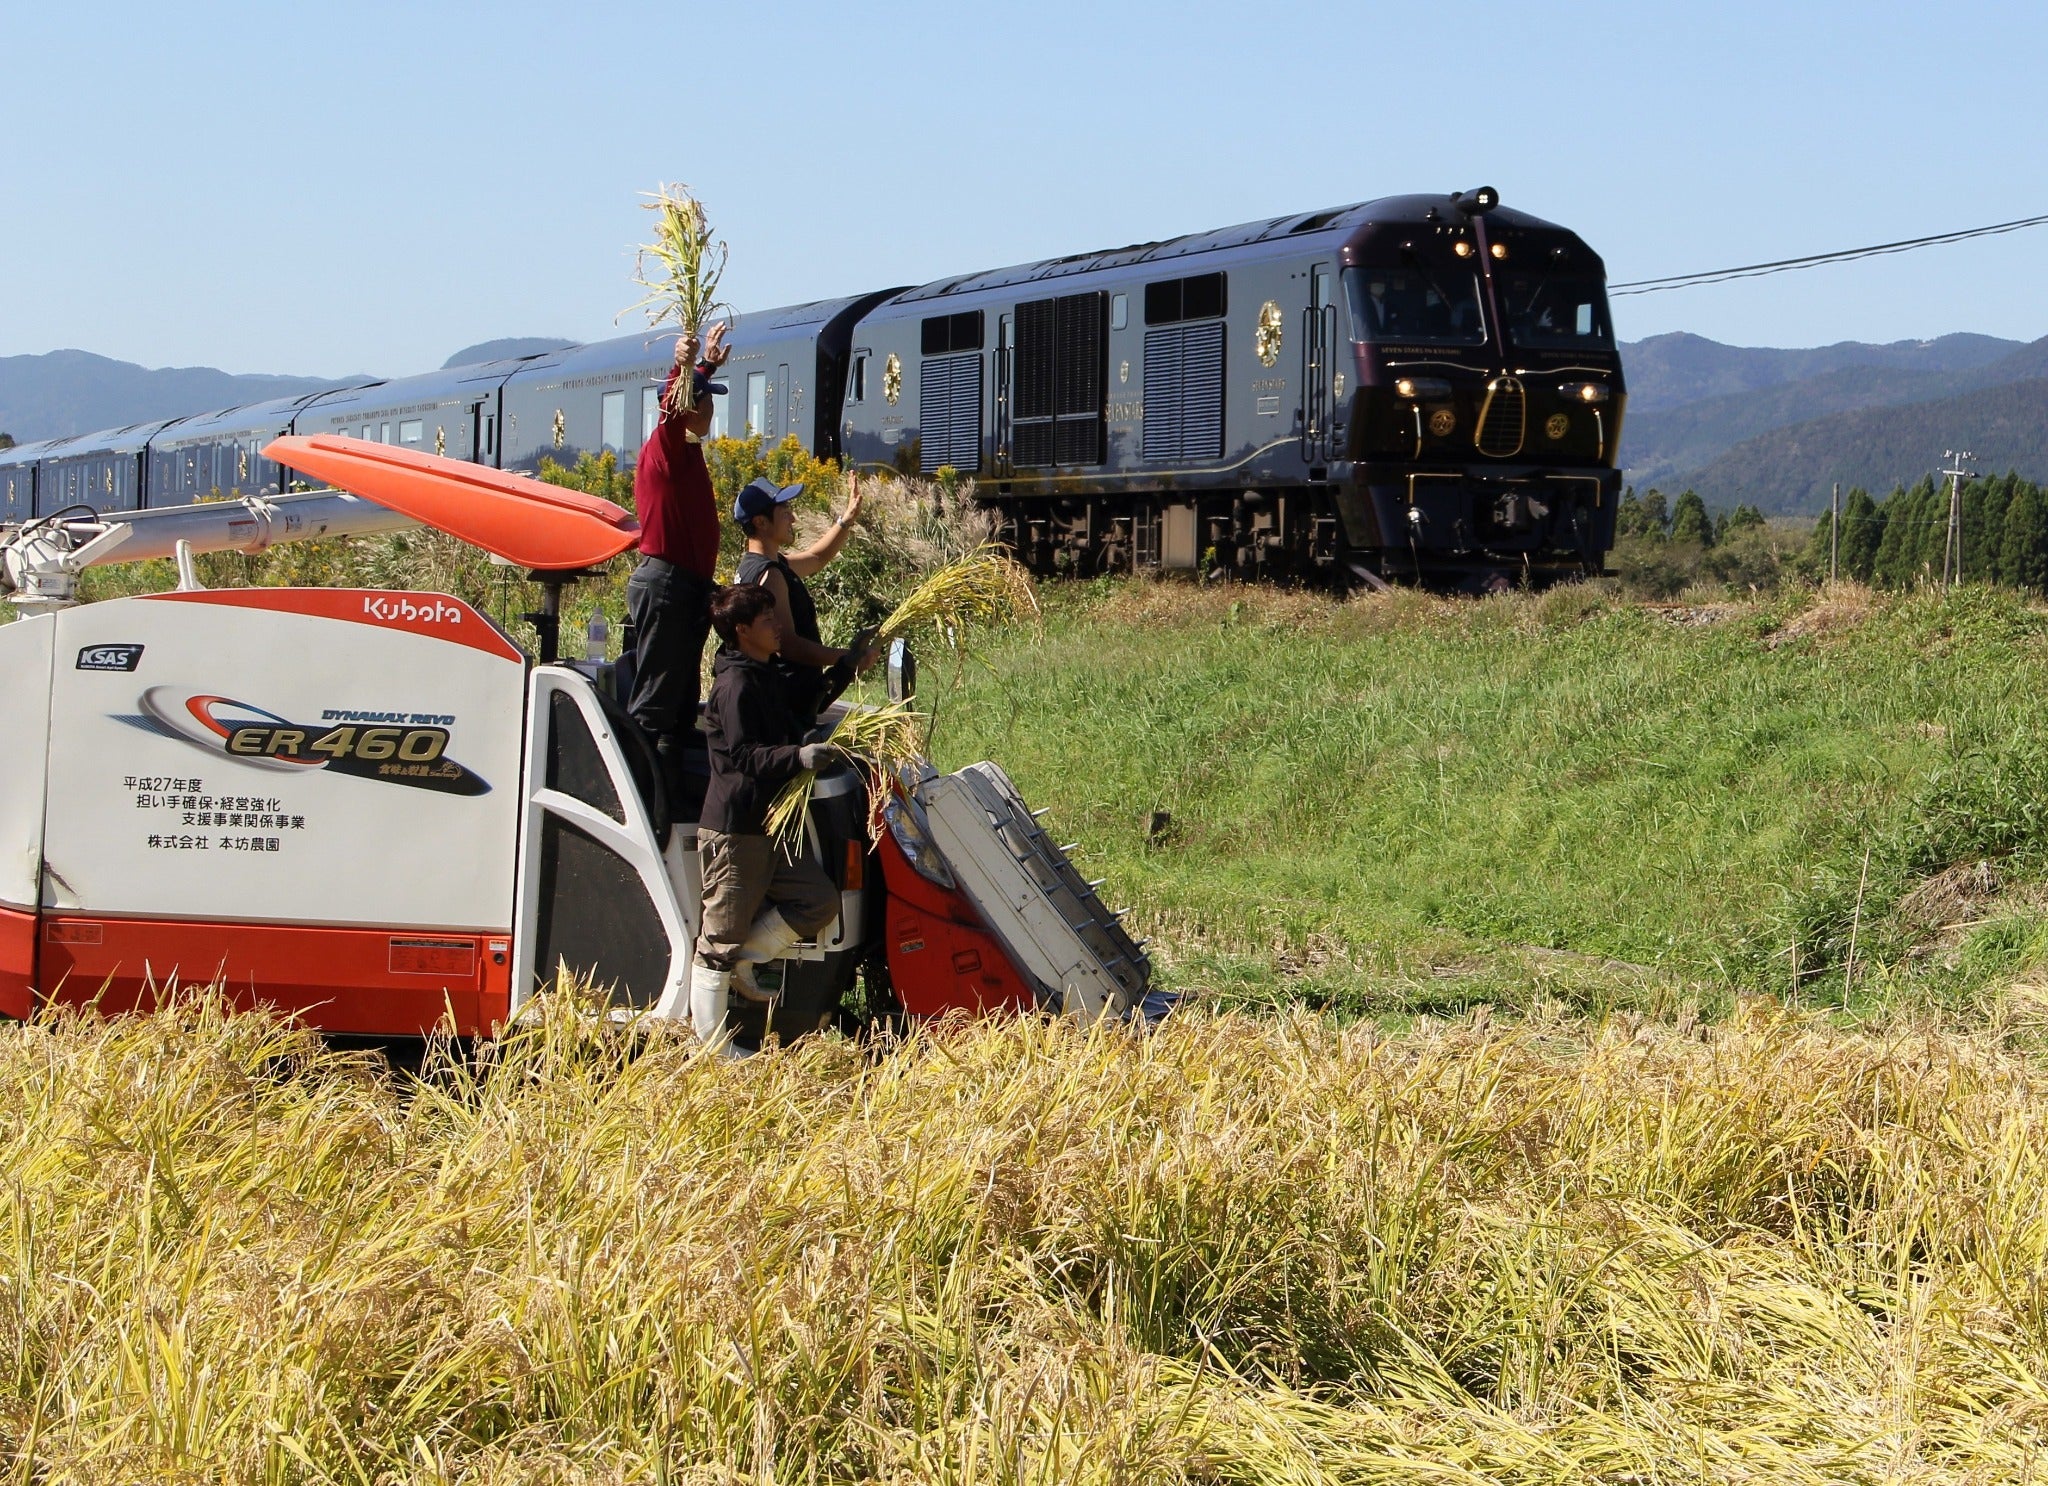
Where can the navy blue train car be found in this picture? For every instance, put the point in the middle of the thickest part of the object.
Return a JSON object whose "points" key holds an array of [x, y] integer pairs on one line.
{"points": [[18, 481], [1418, 387]]}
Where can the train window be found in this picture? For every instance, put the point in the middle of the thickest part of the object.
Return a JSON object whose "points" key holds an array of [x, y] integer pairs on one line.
{"points": [[757, 402], [1200, 297], [1119, 311], [1415, 306], [945, 334], [411, 431], [857, 381], [369, 433], [384, 433], [1565, 312], [1322, 285], [650, 411], [614, 436]]}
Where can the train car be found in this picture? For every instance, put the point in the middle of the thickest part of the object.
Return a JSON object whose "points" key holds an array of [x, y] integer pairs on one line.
{"points": [[456, 411], [1420, 387], [18, 481], [789, 372], [787, 376], [585, 400], [216, 454], [107, 471]]}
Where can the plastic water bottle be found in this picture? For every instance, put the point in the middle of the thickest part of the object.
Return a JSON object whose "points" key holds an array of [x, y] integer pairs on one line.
{"points": [[597, 637]]}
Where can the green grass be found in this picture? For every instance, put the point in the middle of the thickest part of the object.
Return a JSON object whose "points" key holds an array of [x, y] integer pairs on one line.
{"points": [[1397, 805]]}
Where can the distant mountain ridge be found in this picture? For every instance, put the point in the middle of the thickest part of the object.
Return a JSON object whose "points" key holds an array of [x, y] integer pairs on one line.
{"points": [[62, 393], [1778, 428]]}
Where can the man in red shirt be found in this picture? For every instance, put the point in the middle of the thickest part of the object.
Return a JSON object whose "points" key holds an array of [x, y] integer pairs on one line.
{"points": [[669, 595]]}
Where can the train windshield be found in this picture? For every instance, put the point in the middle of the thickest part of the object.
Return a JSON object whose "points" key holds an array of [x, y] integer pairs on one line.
{"points": [[1563, 312], [1416, 305]]}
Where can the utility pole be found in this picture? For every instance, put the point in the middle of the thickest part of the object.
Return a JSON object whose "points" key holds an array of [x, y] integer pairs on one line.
{"points": [[1835, 537], [1952, 548]]}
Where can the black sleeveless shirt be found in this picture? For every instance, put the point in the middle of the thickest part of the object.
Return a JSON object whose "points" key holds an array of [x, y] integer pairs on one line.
{"points": [[805, 682]]}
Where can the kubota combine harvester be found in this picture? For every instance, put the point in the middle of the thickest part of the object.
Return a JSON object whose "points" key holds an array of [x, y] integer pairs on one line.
{"points": [[374, 811]]}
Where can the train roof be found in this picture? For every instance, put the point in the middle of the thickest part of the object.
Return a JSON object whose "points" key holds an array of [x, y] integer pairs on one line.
{"points": [[130, 440], [24, 453], [428, 386], [246, 417], [1339, 222]]}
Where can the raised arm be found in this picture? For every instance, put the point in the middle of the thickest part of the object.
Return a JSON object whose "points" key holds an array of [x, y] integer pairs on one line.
{"points": [[822, 551]]}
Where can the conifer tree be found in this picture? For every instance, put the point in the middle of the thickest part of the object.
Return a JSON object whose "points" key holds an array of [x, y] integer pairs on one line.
{"points": [[1736, 520], [1862, 534], [1897, 547], [2023, 553], [1690, 522], [1984, 505]]}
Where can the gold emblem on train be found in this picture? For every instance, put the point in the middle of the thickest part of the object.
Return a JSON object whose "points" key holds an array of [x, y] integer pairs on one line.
{"points": [[1267, 341], [1557, 426], [1442, 421], [892, 377], [440, 439], [1123, 371], [561, 429]]}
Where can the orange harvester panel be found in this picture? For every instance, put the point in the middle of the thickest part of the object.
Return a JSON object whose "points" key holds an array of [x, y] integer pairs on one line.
{"points": [[522, 520], [392, 982]]}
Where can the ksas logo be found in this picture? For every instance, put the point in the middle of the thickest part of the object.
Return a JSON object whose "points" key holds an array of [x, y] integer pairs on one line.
{"points": [[110, 657], [412, 755]]}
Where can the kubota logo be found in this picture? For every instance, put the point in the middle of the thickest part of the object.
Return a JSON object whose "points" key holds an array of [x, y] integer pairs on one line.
{"points": [[393, 610]]}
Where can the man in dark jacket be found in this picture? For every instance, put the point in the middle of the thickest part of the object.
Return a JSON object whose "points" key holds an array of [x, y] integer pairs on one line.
{"points": [[756, 740]]}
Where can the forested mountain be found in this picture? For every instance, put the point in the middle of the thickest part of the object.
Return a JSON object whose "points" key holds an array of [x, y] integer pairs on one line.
{"points": [[1871, 415]]}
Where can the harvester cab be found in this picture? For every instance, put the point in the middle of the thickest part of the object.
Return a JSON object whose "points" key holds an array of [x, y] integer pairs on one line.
{"points": [[374, 811]]}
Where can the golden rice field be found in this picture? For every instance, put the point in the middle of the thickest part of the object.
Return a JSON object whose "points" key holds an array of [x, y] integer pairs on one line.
{"points": [[1278, 1249]]}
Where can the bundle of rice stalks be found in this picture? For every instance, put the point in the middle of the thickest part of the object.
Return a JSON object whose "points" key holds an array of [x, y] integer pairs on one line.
{"points": [[680, 269], [985, 587], [879, 740]]}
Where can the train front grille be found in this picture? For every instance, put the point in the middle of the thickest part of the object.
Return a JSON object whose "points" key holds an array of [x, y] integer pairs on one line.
{"points": [[1502, 418]]}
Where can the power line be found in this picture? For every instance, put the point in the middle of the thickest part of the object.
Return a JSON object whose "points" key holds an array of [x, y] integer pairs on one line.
{"points": [[1787, 265]]}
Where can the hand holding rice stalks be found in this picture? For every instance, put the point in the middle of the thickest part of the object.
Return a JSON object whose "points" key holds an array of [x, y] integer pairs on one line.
{"points": [[680, 270], [987, 586], [879, 740]]}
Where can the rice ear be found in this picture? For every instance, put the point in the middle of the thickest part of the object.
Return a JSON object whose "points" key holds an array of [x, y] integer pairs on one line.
{"points": [[880, 740], [680, 270]]}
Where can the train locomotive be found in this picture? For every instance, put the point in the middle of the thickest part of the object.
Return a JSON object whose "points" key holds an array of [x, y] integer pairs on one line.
{"points": [[1418, 388]]}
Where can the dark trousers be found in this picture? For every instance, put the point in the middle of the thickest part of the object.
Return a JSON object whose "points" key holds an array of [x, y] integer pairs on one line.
{"points": [[671, 613]]}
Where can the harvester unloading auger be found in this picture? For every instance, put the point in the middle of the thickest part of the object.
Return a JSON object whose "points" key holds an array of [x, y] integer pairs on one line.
{"points": [[372, 810]]}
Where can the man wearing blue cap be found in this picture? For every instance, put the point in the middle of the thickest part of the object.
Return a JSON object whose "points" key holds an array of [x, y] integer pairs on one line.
{"points": [[668, 597], [766, 511]]}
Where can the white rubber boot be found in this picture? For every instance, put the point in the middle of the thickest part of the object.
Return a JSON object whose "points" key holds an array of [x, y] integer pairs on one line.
{"points": [[770, 936], [708, 996]]}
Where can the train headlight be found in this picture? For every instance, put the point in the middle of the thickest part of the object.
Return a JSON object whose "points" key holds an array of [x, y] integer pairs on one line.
{"points": [[1462, 249], [1591, 393], [1499, 250], [1421, 389]]}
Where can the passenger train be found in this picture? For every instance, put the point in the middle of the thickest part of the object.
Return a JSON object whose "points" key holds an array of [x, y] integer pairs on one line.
{"points": [[1418, 388]]}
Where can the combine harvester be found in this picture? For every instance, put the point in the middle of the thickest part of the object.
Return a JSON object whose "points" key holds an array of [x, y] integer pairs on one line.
{"points": [[373, 811]]}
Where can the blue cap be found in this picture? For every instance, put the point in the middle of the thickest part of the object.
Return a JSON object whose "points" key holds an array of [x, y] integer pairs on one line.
{"points": [[761, 497]]}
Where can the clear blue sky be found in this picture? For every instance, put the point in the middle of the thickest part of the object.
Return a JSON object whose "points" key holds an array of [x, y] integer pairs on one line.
{"points": [[324, 189]]}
